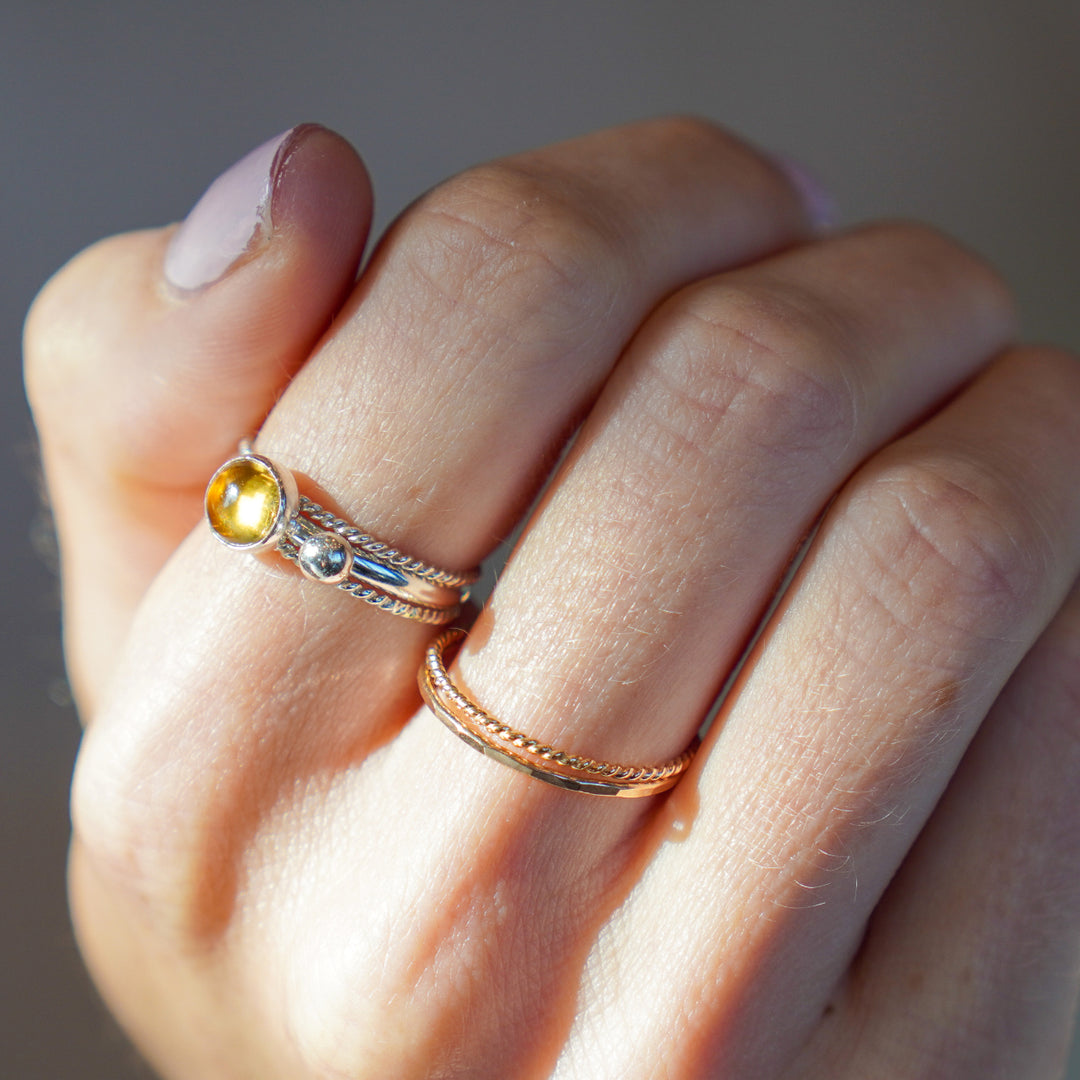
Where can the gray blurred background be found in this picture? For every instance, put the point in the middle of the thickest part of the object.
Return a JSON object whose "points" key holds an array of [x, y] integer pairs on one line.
{"points": [[115, 116]]}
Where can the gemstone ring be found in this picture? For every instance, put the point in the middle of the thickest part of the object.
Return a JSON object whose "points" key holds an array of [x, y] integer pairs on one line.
{"points": [[253, 504]]}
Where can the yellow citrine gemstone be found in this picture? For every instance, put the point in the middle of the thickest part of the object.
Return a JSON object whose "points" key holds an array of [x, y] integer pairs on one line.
{"points": [[243, 501]]}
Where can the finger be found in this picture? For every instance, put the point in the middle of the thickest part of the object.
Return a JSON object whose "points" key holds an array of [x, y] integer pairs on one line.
{"points": [[609, 620], [149, 352], [743, 404], [518, 284], [980, 931], [497, 307], [937, 568]]}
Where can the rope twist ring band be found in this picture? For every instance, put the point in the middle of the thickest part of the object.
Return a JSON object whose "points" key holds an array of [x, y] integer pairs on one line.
{"points": [[497, 740], [253, 504]]}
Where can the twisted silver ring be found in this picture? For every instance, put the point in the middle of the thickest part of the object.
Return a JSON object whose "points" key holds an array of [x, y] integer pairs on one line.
{"points": [[253, 504]]}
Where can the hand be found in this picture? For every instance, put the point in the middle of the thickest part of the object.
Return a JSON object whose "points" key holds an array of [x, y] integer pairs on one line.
{"points": [[285, 867]]}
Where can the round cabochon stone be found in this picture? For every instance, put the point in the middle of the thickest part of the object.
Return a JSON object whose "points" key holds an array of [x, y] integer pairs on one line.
{"points": [[243, 502]]}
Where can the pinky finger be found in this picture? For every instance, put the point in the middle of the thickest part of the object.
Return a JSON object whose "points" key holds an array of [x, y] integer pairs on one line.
{"points": [[971, 964]]}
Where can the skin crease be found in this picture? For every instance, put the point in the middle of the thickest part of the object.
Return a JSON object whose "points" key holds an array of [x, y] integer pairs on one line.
{"points": [[284, 867]]}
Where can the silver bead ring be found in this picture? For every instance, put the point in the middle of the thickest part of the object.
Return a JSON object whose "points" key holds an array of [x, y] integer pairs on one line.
{"points": [[253, 504]]}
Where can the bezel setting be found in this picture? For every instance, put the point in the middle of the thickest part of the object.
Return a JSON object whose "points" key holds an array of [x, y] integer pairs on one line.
{"points": [[287, 502]]}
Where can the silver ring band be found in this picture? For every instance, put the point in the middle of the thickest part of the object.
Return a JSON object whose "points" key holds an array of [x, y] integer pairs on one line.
{"points": [[381, 566], [253, 504]]}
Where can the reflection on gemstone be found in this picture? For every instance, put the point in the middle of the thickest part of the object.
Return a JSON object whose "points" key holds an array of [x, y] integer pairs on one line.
{"points": [[243, 502]]}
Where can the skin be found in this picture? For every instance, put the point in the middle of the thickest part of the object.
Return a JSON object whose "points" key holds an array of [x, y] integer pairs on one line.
{"points": [[284, 867]]}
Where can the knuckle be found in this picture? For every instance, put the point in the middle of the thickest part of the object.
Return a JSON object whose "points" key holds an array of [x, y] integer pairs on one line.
{"points": [[689, 128], [924, 248], [952, 547], [177, 872], [114, 822], [60, 327], [769, 359], [503, 239], [1051, 373], [159, 816]]}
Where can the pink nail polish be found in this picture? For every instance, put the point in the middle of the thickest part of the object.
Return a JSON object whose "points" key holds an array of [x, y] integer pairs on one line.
{"points": [[231, 217], [820, 206]]}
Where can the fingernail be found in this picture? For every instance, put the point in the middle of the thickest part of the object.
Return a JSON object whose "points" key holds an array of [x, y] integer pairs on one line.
{"points": [[234, 214], [820, 206]]}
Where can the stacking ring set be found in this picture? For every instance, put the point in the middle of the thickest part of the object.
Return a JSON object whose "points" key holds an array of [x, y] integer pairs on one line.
{"points": [[253, 504]]}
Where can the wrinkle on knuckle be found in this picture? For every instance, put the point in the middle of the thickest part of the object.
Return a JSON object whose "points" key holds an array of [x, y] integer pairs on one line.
{"points": [[516, 251], [764, 361], [951, 547]]}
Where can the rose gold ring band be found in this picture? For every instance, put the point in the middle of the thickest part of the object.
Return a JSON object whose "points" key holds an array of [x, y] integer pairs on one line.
{"points": [[497, 740]]}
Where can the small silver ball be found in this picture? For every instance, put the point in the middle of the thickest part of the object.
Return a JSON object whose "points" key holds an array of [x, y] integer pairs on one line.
{"points": [[325, 557]]}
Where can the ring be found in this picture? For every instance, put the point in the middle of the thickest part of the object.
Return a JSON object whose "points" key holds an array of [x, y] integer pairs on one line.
{"points": [[253, 504], [497, 740]]}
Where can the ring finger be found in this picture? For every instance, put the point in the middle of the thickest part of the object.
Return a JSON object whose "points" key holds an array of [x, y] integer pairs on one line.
{"points": [[937, 568]]}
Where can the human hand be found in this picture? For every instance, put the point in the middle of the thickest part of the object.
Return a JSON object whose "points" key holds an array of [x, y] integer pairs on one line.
{"points": [[283, 867]]}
